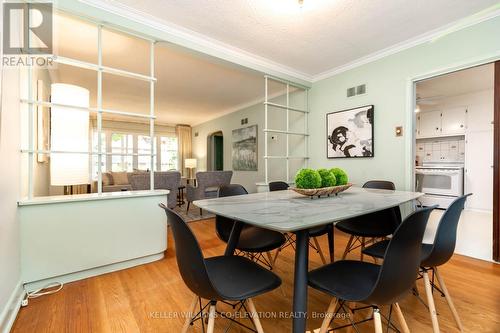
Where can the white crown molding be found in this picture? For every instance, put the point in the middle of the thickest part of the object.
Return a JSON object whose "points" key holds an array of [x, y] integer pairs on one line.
{"points": [[199, 42], [430, 36]]}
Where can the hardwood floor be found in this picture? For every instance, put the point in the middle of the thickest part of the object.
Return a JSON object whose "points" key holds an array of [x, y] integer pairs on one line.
{"points": [[152, 298]]}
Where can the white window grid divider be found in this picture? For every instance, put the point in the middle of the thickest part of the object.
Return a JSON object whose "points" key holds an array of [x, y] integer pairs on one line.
{"points": [[100, 69], [287, 108]]}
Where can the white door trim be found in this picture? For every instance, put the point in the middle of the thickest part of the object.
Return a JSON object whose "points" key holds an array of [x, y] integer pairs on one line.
{"points": [[410, 107]]}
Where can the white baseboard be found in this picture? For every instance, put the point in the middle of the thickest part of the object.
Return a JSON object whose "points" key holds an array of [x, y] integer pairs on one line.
{"points": [[9, 313], [34, 285]]}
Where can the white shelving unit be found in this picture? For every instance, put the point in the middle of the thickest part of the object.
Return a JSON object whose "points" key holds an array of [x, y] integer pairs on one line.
{"points": [[287, 132]]}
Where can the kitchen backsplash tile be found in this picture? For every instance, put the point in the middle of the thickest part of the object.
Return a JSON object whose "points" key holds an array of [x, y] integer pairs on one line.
{"points": [[450, 149]]}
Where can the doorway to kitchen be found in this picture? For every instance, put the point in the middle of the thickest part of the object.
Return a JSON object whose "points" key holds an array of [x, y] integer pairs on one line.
{"points": [[454, 153]]}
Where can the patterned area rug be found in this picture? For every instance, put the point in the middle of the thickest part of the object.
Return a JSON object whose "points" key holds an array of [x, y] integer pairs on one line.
{"points": [[193, 214]]}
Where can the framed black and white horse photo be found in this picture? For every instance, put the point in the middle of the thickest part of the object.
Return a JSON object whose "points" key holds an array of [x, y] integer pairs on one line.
{"points": [[350, 133]]}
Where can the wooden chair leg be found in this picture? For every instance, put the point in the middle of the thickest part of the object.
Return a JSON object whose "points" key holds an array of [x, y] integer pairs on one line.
{"points": [[430, 303], [320, 252], [401, 318], [255, 316], [347, 247], [328, 316], [448, 299], [187, 209], [270, 259], [351, 314], [201, 212], [190, 314], [278, 252], [361, 255], [211, 319], [377, 321]]}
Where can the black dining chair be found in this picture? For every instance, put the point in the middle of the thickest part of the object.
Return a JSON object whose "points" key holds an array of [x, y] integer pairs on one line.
{"points": [[217, 279], [278, 186], [372, 284], [433, 255], [313, 233], [254, 242], [375, 225]]}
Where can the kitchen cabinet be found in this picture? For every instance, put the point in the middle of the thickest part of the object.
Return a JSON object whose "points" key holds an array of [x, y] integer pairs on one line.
{"points": [[429, 124], [453, 121], [479, 170], [442, 123], [480, 117]]}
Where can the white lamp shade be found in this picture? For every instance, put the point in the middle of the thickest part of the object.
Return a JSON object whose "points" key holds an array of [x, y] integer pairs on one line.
{"points": [[69, 130], [190, 163]]}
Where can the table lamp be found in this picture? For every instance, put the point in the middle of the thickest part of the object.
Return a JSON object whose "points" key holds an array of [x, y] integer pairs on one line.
{"points": [[190, 163], [69, 130]]}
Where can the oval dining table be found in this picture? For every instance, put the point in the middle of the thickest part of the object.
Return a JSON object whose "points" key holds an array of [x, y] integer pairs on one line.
{"points": [[289, 212]]}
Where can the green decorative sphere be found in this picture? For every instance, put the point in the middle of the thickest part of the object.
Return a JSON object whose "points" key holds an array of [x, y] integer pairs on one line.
{"points": [[327, 178], [308, 178], [340, 175]]}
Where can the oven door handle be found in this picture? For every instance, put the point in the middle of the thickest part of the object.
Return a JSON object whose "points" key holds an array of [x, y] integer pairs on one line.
{"points": [[435, 173]]}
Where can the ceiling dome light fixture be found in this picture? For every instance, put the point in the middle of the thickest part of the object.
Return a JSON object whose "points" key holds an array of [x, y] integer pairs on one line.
{"points": [[301, 3]]}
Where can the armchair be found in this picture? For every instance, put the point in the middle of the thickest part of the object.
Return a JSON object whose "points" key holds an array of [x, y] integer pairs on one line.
{"points": [[165, 180], [208, 183]]}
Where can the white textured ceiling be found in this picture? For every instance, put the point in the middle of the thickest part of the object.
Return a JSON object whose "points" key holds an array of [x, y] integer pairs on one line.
{"points": [[457, 83], [320, 36]]}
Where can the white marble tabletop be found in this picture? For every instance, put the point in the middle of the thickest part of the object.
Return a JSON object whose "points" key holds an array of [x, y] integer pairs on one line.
{"points": [[287, 211]]}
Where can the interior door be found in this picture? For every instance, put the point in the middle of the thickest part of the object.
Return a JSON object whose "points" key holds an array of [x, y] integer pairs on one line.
{"points": [[479, 170]]}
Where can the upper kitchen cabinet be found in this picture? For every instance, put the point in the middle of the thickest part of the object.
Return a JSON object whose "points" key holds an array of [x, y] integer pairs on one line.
{"points": [[453, 121], [429, 124], [447, 122], [480, 116]]}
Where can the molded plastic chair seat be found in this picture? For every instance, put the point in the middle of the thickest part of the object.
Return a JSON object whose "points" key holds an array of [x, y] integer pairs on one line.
{"points": [[434, 255], [378, 249], [221, 278], [319, 231], [347, 279], [254, 239], [374, 225], [278, 186], [366, 226], [238, 278], [372, 284]]}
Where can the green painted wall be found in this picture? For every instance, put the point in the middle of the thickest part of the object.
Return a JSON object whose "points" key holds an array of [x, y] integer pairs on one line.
{"points": [[277, 146], [387, 83], [226, 124]]}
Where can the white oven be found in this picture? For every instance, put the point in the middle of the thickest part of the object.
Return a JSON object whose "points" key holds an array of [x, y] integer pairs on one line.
{"points": [[441, 183]]}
